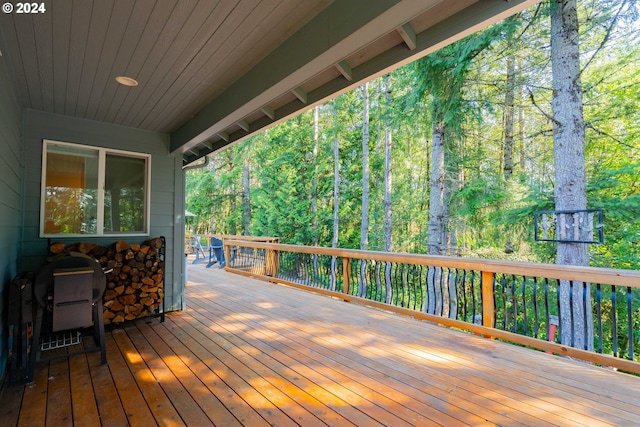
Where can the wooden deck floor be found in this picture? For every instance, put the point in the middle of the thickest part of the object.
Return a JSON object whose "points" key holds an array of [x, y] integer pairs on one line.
{"points": [[247, 352]]}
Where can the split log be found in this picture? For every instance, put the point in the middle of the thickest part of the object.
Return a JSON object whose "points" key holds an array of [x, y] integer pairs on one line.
{"points": [[154, 243], [121, 245]]}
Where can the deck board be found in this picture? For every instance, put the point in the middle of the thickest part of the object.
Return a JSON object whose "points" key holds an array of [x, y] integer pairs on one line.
{"points": [[172, 335], [381, 351], [85, 409], [247, 352], [59, 394], [294, 354], [105, 392], [11, 400], [34, 400], [135, 407], [285, 409], [297, 385], [391, 381], [209, 409], [186, 406], [155, 397]]}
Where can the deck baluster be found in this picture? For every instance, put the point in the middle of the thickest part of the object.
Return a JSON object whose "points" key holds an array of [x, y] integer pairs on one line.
{"points": [[630, 338], [599, 315], [524, 306], [346, 273], [614, 321]]}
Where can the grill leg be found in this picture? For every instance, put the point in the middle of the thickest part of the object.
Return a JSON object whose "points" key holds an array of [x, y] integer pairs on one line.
{"points": [[98, 324]]}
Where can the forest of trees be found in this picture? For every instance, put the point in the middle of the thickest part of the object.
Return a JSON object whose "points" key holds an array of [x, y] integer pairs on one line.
{"points": [[453, 153]]}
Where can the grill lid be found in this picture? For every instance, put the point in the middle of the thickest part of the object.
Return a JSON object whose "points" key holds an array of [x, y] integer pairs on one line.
{"points": [[44, 278]]}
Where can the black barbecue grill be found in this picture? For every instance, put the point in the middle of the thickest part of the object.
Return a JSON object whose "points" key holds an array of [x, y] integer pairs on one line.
{"points": [[68, 292]]}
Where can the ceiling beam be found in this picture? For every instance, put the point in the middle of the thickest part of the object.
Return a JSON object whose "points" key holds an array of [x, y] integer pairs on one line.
{"points": [[243, 124], [214, 118], [300, 94], [408, 35], [345, 70], [268, 111]]}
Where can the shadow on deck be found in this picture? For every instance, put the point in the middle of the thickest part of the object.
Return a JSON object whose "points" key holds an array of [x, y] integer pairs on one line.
{"points": [[247, 352]]}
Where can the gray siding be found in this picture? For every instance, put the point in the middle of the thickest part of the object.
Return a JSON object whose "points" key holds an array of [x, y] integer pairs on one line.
{"points": [[10, 192], [167, 187]]}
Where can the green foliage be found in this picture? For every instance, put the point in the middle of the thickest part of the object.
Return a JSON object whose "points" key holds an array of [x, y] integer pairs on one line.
{"points": [[463, 84]]}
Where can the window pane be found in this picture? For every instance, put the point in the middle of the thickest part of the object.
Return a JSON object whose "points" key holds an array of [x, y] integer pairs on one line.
{"points": [[124, 197], [71, 190]]}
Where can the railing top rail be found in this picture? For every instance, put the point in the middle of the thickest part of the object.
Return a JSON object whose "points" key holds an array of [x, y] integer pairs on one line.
{"points": [[608, 276], [248, 238], [237, 237]]}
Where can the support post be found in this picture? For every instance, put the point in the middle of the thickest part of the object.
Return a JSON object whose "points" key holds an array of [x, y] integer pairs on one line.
{"points": [[227, 253], [346, 273], [488, 307], [272, 261]]}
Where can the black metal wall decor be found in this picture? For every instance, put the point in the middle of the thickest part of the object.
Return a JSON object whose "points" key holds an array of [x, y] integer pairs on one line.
{"points": [[567, 226]]}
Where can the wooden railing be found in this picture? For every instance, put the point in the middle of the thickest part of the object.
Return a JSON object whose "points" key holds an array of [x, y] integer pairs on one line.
{"points": [[190, 247], [513, 301]]}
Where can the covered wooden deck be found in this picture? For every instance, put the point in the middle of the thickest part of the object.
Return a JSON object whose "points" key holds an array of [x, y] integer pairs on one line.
{"points": [[247, 352]]}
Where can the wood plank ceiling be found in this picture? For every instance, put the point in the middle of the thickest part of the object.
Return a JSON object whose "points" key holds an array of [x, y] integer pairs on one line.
{"points": [[214, 72]]}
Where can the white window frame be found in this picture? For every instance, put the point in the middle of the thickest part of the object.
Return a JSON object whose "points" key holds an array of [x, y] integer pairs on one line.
{"points": [[102, 155]]}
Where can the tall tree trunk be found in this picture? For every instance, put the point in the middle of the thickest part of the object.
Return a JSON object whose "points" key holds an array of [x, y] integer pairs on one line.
{"points": [[448, 234], [509, 119], [576, 323], [520, 109], [314, 187], [246, 199], [364, 223], [388, 181], [336, 196], [232, 227], [437, 215], [435, 243], [377, 214], [388, 171]]}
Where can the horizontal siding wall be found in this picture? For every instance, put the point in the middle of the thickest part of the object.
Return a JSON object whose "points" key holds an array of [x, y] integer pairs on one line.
{"points": [[10, 193], [167, 188]]}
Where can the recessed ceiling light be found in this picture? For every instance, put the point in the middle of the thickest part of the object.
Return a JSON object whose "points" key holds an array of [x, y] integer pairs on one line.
{"points": [[126, 81]]}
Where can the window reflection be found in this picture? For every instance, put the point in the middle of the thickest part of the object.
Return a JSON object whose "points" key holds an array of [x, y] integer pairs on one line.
{"points": [[71, 190], [93, 191]]}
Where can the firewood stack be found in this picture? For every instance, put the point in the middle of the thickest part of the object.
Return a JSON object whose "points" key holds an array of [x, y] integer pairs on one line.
{"points": [[135, 276]]}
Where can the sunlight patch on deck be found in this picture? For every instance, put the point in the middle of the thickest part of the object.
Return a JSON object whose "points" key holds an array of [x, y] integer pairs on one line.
{"points": [[268, 305]]}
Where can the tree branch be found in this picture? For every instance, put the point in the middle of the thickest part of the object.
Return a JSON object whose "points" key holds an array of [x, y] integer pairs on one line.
{"points": [[544, 113], [613, 138], [606, 35]]}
